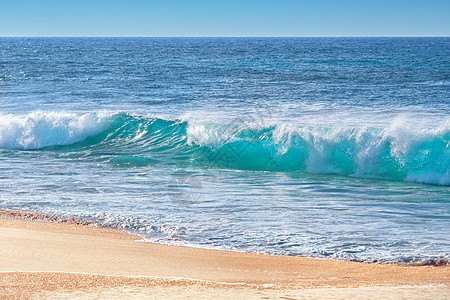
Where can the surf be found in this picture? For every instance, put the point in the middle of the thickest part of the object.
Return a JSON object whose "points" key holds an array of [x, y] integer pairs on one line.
{"points": [[397, 152]]}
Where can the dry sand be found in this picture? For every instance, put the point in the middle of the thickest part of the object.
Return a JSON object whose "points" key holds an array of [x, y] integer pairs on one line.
{"points": [[44, 257]]}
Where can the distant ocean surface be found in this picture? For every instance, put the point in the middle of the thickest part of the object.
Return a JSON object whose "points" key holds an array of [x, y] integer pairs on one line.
{"points": [[326, 147]]}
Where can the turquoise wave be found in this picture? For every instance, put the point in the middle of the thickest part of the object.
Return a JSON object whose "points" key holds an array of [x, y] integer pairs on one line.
{"points": [[394, 153]]}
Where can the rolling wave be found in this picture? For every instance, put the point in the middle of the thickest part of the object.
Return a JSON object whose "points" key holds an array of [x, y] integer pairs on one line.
{"points": [[395, 152]]}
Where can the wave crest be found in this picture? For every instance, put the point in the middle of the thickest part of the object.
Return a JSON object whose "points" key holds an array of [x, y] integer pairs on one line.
{"points": [[39, 130], [396, 152]]}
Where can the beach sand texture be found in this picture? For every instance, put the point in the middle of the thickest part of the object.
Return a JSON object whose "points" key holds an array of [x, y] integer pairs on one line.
{"points": [[47, 257]]}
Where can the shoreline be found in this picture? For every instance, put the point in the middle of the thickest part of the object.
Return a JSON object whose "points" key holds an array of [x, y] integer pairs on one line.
{"points": [[46, 254], [44, 217]]}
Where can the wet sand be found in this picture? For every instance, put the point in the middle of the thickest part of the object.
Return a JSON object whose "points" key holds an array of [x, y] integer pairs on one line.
{"points": [[43, 256]]}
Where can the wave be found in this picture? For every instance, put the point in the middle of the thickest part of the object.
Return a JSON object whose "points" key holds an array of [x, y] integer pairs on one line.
{"points": [[39, 130], [396, 152]]}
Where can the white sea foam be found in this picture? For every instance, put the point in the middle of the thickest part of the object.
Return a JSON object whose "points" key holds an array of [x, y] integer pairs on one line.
{"points": [[42, 129]]}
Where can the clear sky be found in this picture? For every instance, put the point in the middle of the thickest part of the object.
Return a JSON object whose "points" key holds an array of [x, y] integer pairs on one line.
{"points": [[224, 18]]}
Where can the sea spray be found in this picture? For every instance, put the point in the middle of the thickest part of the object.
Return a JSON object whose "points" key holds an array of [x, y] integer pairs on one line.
{"points": [[397, 152], [41, 129]]}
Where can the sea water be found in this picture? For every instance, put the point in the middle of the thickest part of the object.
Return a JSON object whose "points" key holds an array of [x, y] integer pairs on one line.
{"points": [[327, 147]]}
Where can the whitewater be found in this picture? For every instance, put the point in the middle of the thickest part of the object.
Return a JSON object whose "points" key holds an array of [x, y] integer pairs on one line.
{"points": [[396, 152], [329, 147]]}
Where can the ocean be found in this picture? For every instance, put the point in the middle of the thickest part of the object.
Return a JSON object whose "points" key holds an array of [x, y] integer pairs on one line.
{"points": [[323, 147]]}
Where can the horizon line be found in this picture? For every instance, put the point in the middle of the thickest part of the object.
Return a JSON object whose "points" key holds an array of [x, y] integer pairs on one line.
{"points": [[226, 36]]}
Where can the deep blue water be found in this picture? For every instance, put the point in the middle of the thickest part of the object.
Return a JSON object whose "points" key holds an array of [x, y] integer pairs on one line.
{"points": [[331, 147]]}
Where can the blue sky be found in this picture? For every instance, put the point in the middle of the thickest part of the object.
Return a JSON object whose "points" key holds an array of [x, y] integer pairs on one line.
{"points": [[224, 18]]}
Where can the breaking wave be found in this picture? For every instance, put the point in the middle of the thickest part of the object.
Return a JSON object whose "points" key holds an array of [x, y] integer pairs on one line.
{"points": [[396, 152]]}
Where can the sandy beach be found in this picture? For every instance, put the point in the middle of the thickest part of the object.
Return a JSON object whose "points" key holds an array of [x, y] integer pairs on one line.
{"points": [[46, 257]]}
